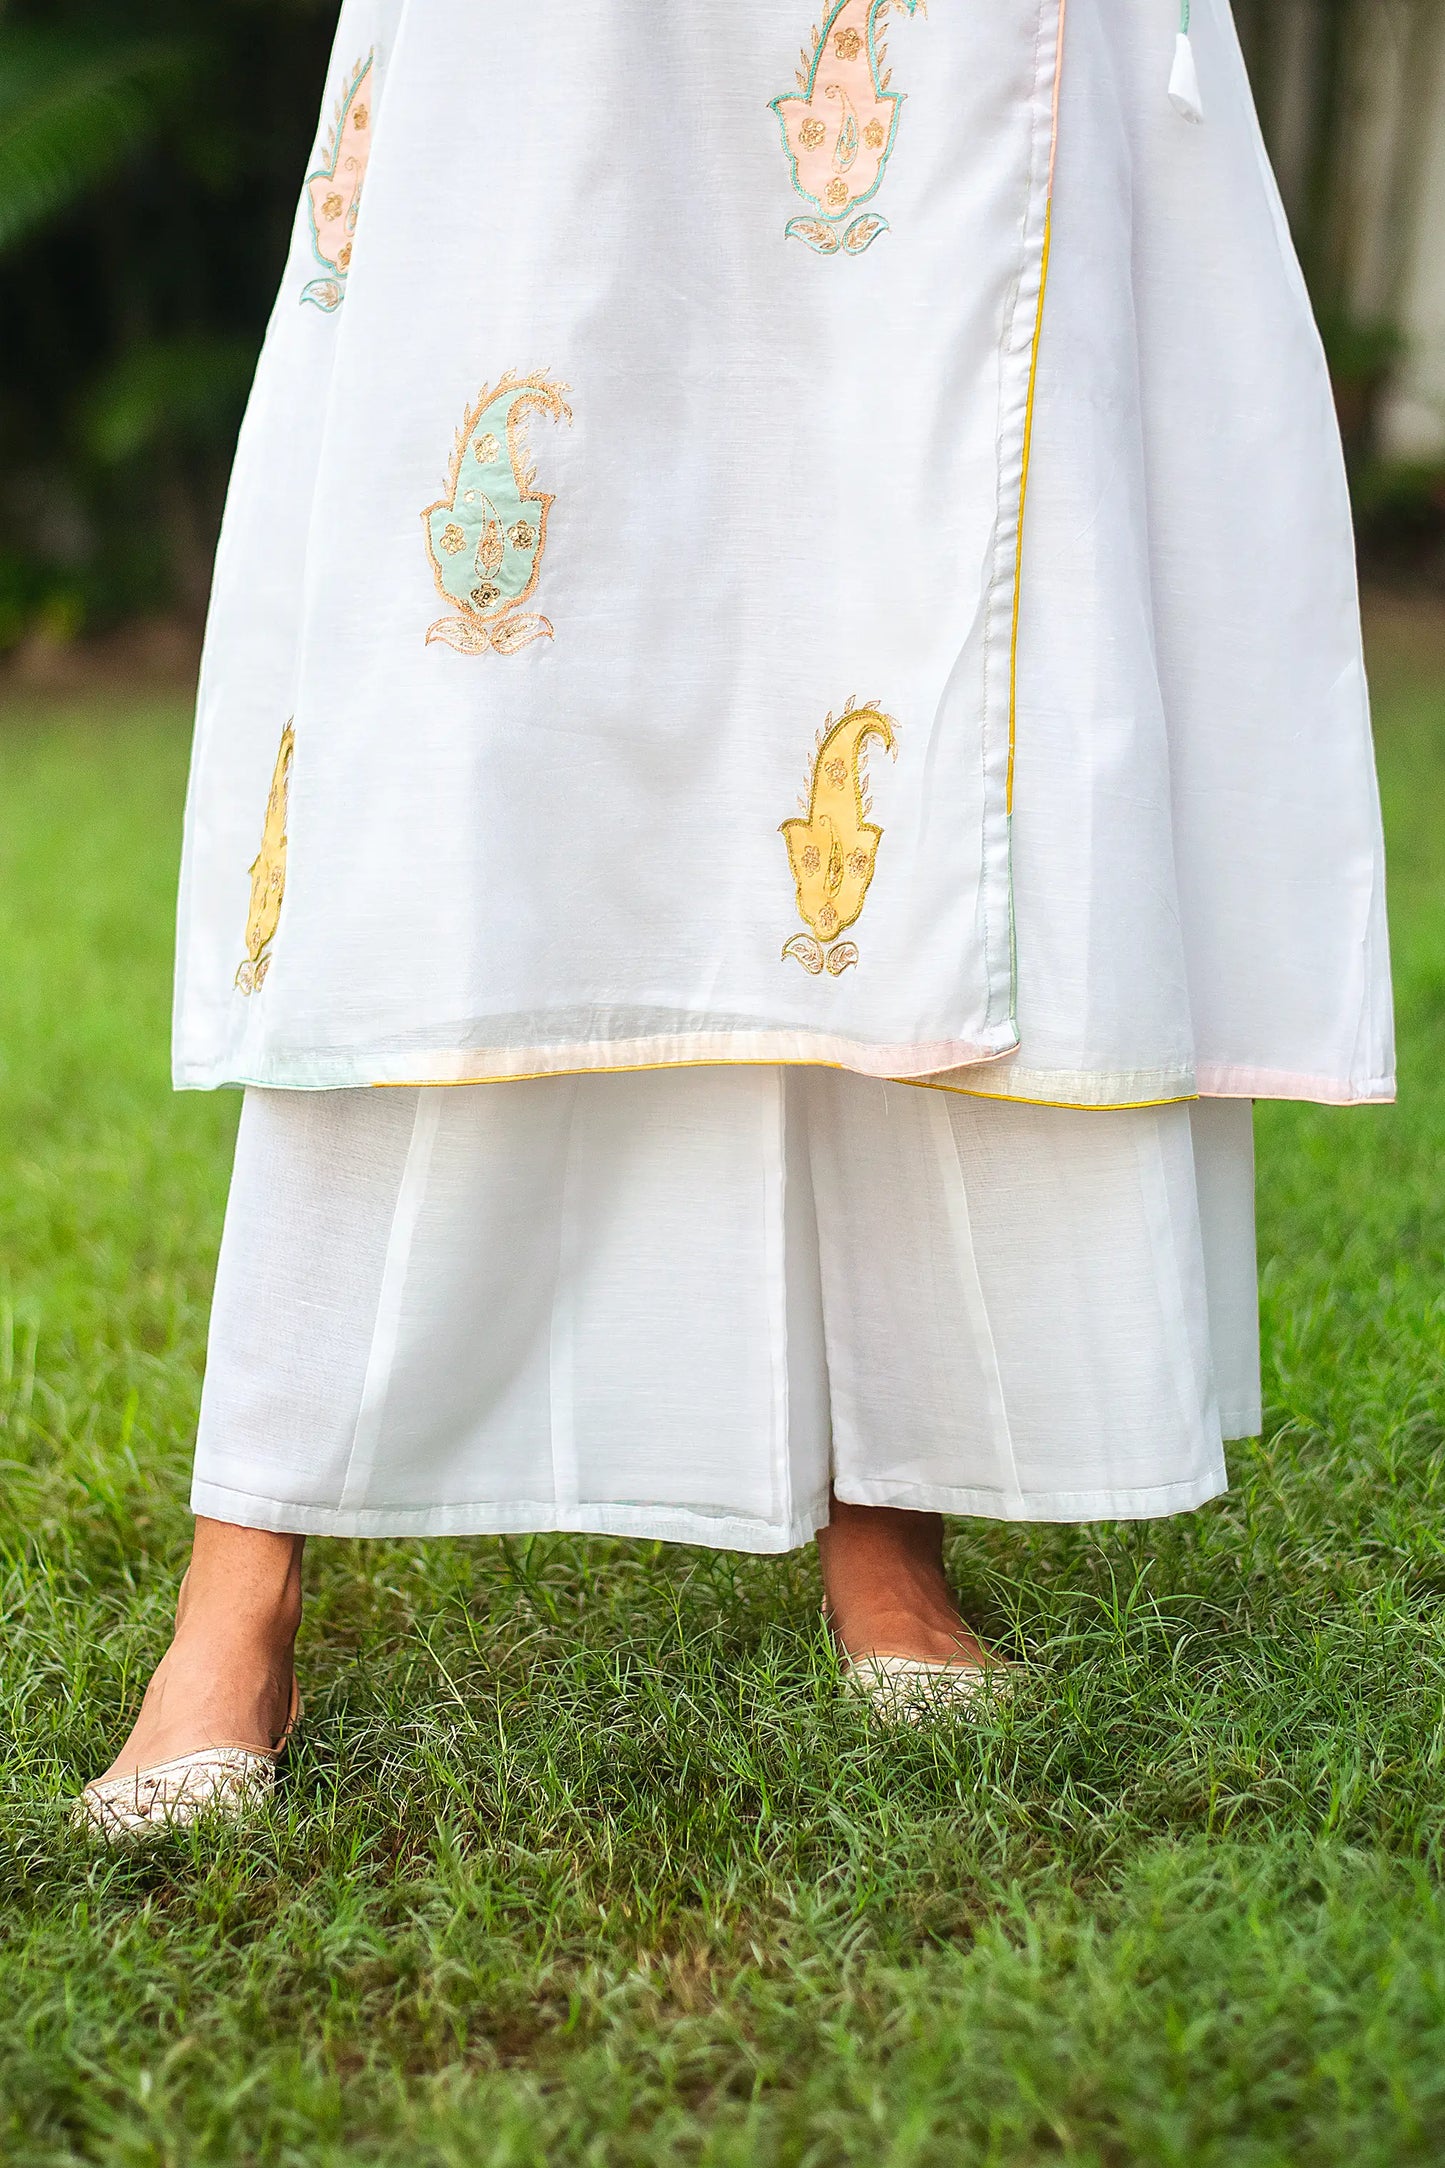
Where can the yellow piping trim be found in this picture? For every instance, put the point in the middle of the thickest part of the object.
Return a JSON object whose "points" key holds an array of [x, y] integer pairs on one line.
{"points": [[1013, 685], [621, 1068], [1013, 697], [1071, 1106], [919, 1083]]}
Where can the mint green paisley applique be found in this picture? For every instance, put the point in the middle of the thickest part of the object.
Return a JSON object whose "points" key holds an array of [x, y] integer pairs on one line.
{"points": [[487, 536]]}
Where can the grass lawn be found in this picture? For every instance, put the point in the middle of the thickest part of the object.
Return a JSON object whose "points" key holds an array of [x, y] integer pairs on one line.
{"points": [[581, 1860]]}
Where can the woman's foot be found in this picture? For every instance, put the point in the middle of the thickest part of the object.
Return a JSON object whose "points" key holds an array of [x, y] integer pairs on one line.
{"points": [[886, 1591], [227, 1678]]}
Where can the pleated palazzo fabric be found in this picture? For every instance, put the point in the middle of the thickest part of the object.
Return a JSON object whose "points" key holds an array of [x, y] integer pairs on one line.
{"points": [[678, 1305]]}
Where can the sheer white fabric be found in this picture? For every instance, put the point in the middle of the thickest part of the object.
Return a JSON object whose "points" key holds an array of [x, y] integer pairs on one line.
{"points": [[675, 1305], [792, 478]]}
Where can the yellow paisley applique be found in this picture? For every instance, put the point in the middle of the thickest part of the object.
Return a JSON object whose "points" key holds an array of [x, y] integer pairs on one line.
{"points": [[487, 536], [268, 874], [833, 847]]}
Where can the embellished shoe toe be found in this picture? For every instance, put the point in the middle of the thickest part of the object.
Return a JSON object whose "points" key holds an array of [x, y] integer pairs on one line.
{"points": [[914, 1690], [222, 1780]]}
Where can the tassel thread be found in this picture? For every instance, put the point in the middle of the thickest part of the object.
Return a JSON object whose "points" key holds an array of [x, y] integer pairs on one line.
{"points": [[1184, 92]]}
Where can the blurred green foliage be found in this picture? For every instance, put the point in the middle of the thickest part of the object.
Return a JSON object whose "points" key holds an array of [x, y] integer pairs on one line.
{"points": [[150, 157]]}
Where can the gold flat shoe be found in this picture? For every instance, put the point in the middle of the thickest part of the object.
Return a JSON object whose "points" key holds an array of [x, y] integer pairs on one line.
{"points": [[914, 1689], [224, 1780]]}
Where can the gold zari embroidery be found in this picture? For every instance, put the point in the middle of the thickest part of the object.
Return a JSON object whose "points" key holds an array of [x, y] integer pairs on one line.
{"points": [[487, 536], [840, 126], [334, 190]]}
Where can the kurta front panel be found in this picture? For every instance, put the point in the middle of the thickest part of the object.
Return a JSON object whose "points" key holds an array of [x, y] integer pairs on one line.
{"points": [[611, 655]]}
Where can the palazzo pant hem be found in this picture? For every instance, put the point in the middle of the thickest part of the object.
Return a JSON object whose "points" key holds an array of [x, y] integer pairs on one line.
{"points": [[707, 1531], [683, 1306]]}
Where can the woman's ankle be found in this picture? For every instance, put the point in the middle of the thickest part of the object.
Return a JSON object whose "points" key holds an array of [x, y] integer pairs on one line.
{"points": [[885, 1586], [241, 1583]]}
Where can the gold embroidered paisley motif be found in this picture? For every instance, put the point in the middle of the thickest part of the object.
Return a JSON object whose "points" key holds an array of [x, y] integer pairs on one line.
{"points": [[268, 874], [333, 191], [833, 847], [488, 535], [840, 125]]}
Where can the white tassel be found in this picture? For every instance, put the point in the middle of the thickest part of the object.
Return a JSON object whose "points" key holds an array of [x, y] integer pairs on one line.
{"points": [[1184, 94]]}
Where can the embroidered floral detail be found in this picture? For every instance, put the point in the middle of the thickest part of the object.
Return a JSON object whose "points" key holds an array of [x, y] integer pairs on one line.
{"points": [[491, 549], [833, 847], [491, 490], [818, 236], [333, 191], [268, 874], [839, 133], [861, 232]]}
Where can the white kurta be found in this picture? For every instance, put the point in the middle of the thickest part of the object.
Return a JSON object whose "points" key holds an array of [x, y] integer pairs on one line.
{"points": [[627, 533]]}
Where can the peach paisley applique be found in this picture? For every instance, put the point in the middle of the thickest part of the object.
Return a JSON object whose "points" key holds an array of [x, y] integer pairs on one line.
{"points": [[839, 129], [268, 874], [833, 848], [487, 536], [333, 191]]}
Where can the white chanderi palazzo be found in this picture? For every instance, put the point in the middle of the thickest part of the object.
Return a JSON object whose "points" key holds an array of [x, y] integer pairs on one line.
{"points": [[809, 559]]}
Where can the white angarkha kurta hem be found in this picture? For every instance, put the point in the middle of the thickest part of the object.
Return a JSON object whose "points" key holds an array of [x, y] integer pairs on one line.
{"points": [[928, 641], [677, 1306]]}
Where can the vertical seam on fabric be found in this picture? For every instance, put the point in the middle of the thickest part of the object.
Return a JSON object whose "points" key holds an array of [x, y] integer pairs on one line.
{"points": [[1013, 678], [776, 1241], [381, 1356], [1013, 697], [814, 1085], [994, 576], [1200, 1111], [561, 1342], [995, 580], [955, 1192], [1159, 1219]]}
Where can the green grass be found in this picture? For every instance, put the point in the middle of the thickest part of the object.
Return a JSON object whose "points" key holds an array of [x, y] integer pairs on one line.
{"points": [[581, 1860]]}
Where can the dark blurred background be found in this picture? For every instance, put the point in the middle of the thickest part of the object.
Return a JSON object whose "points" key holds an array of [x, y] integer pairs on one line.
{"points": [[151, 155]]}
